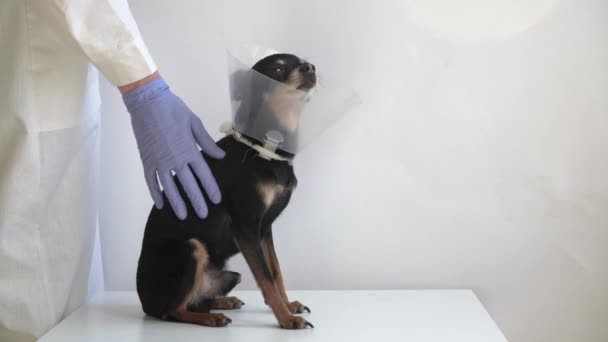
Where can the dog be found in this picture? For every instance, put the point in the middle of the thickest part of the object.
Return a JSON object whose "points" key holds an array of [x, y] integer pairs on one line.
{"points": [[181, 273]]}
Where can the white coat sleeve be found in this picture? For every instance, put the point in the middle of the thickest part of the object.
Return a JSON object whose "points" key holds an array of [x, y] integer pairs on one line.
{"points": [[107, 33]]}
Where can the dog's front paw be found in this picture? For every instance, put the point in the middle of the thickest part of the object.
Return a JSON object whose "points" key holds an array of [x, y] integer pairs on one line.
{"points": [[297, 307], [295, 322]]}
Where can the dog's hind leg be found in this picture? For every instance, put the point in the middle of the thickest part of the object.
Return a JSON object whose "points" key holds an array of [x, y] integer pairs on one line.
{"points": [[213, 290], [183, 313]]}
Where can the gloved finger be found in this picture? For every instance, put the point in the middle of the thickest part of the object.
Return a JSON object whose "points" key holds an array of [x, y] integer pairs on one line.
{"points": [[204, 140], [176, 201], [202, 171], [157, 195], [193, 191]]}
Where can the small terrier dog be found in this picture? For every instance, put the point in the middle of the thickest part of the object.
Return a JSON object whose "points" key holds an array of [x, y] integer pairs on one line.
{"points": [[181, 273]]}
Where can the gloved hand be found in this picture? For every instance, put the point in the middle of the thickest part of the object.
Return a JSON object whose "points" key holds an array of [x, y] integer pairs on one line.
{"points": [[167, 133]]}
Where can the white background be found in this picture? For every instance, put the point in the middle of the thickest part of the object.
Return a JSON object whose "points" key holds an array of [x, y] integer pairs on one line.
{"points": [[477, 160]]}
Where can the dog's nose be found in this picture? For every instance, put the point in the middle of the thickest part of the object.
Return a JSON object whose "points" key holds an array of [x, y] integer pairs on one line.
{"points": [[307, 68]]}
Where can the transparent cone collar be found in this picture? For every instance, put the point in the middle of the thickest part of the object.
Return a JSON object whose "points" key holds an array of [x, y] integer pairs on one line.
{"points": [[274, 115]]}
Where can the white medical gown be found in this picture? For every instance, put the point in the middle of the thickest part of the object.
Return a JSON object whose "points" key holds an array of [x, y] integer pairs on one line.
{"points": [[50, 52]]}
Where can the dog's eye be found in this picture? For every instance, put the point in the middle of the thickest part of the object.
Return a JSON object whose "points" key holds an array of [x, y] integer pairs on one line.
{"points": [[277, 70]]}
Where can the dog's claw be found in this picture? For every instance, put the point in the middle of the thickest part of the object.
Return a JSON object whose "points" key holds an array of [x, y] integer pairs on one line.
{"points": [[242, 303], [229, 320], [307, 309], [308, 324]]}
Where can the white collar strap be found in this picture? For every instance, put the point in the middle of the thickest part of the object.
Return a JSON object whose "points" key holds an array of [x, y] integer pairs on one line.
{"points": [[228, 129]]}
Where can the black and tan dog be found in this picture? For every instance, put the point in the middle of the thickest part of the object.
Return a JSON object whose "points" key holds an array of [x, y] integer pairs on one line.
{"points": [[181, 275]]}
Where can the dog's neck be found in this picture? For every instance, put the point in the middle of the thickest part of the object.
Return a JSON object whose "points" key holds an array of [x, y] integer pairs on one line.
{"points": [[256, 145]]}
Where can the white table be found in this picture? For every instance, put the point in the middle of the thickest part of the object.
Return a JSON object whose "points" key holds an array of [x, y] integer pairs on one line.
{"points": [[370, 316]]}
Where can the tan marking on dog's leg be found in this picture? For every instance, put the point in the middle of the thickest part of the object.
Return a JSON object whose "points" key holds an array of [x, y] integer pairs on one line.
{"points": [[255, 259], [202, 259], [275, 269], [273, 262], [181, 313], [206, 319]]}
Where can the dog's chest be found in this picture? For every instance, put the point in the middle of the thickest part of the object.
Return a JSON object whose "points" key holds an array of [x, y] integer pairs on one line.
{"points": [[272, 193], [276, 190]]}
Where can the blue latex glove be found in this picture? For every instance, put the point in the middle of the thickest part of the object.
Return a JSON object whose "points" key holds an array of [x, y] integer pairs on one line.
{"points": [[167, 133]]}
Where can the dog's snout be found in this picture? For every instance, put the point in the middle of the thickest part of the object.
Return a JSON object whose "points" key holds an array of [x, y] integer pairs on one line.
{"points": [[307, 68]]}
